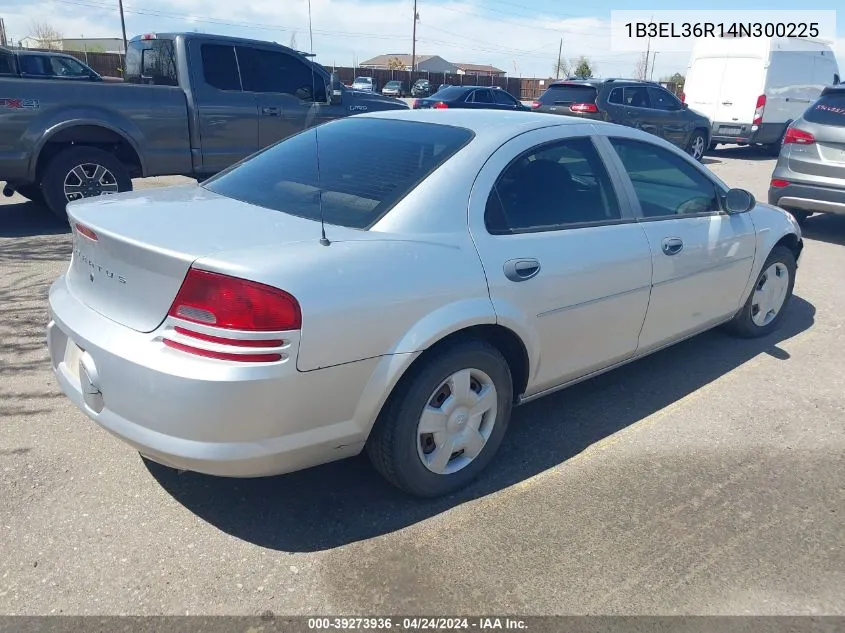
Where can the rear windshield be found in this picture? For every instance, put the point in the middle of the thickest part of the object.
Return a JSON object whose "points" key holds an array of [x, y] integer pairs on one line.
{"points": [[151, 62], [568, 94], [829, 110], [355, 193]]}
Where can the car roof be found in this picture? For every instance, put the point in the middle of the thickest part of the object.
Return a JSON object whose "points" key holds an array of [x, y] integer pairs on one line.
{"points": [[43, 53], [595, 82]]}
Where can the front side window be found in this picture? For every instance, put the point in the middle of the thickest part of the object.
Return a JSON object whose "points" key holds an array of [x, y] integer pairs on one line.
{"points": [[351, 192], [280, 73], [66, 67], [663, 99], [554, 186], [504, 98], [665, 184], [220, 68]]}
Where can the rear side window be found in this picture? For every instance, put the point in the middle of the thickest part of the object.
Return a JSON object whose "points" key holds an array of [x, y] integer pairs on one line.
{"points": [[482, 96], [355, 193], [565, 94], [219, 67], [551, 187], [636, 97], [7, 64], [151, 62], [829, 110]]}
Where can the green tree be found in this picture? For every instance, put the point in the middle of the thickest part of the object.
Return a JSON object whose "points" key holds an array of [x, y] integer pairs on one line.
{"points": [[584, 68]]}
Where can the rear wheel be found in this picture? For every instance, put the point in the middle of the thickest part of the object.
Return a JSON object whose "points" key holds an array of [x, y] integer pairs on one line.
{"points": [[769, 298], [697, 145], [445, 421], [82, 172]]}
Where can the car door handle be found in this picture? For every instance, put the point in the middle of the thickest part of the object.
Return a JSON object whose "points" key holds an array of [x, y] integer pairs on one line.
{"points": [[270, 111], [521, 269], [673, 245]]}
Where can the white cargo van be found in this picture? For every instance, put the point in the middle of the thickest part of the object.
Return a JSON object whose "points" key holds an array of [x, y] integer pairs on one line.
{"points": [[752, 88]]}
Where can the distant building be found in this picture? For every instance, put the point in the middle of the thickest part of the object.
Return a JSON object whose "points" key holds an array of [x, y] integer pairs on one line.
{"points": [[479, 69], [92, 44], [402, 61]]}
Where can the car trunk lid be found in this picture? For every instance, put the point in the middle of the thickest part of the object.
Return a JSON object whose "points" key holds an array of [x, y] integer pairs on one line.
{"points": [[572, 99], [131, 253]]}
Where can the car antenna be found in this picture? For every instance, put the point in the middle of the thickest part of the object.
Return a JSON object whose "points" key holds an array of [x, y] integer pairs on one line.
{"points": [[323, 239]]}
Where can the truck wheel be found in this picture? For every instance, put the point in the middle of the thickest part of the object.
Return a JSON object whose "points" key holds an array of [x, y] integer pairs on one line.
{"points": [[31, 192], [82, 172]]}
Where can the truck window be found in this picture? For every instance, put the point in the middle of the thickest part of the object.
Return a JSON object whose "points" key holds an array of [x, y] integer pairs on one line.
{"points": [[7, 64], [219, 67], [151, 62], [277, 72]]}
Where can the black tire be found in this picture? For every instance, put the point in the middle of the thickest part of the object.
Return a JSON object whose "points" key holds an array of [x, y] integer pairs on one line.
{"points": [[742, 324], [392, 445], [697, 142], [32, 192], [713, 145], [53, 182]]}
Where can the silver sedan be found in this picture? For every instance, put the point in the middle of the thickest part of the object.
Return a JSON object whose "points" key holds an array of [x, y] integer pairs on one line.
{"points": [[308, 304]]}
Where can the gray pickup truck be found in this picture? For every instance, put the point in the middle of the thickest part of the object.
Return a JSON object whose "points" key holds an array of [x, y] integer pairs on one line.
{"points": [[191, 104]]}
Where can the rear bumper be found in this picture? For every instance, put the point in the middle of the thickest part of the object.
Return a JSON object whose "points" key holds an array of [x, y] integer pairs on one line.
{"points": [[732, 132], [810, 198], [218, 417]]}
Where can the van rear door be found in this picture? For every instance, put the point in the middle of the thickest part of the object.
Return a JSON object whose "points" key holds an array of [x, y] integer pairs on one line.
{"points": [[741, 85], [701, 90]]}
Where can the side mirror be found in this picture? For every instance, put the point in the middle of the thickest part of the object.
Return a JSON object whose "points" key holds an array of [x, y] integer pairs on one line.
{"points": [[335, 90], [739, 201]]}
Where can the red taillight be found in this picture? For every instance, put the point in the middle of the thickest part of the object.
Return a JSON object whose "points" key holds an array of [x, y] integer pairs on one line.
{"points": [[777, 182], [758, 110], [234, 304], [683, 97], [440, 105], [535, 105], [583, 107], [84, 230], [799, 137]]}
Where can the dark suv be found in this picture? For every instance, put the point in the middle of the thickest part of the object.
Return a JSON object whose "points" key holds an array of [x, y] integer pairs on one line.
{"points": [[642, 104]]}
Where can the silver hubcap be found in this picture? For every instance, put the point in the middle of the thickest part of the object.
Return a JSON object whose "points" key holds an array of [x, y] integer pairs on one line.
{"points": [[698, 147], [87, 180], [769, 294], [457, 421]]}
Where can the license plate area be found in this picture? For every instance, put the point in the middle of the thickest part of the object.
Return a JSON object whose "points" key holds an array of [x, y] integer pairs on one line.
{"points": [[730, 131]]}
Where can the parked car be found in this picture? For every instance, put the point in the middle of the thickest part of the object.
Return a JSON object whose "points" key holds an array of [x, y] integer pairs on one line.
{"points": [[395, 89], [28, 64], [367, 84], [640, 104], [752, 88], [809, 176], [471, 97], [234, 327], [207, 102], [421, 88]]}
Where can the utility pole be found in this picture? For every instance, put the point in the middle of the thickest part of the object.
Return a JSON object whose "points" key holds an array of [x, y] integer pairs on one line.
{"points": [[559, 53], [123, 27], [414, 42], [310, 32], [647, 50], [653, 61]]}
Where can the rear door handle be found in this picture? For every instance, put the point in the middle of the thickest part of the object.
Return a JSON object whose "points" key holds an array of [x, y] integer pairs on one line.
{"points": [[270, 111], [521, 269], [673, 245]]}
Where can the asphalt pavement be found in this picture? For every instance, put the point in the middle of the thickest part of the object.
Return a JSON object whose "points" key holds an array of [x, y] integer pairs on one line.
{"points": [[705, 479]]}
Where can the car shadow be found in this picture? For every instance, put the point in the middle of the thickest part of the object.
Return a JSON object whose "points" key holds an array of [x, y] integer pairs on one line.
{"points": [[737, 152], [825, 227], [344, 502], [24, 218]]}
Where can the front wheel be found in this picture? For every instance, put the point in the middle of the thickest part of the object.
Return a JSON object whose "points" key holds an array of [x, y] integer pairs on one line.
{"points": [[82, 172], [769, 298], [697, 145], [445, 421]]}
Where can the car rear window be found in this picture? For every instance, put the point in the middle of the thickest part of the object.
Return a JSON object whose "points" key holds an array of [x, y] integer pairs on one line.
{"points": [[568, 93], [829, 110], [356, 193]]}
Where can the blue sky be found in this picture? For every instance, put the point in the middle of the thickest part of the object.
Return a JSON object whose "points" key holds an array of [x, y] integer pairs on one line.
{"points": [[519, 36]]}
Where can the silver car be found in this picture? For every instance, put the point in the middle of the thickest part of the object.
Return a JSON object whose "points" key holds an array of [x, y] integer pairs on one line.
{"points": [[810, 173], [307, 304]]}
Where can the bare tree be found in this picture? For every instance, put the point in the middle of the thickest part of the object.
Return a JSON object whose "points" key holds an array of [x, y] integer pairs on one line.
{"points": [[293, 40], [45, 35], [561, 68], [642, 67]]}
